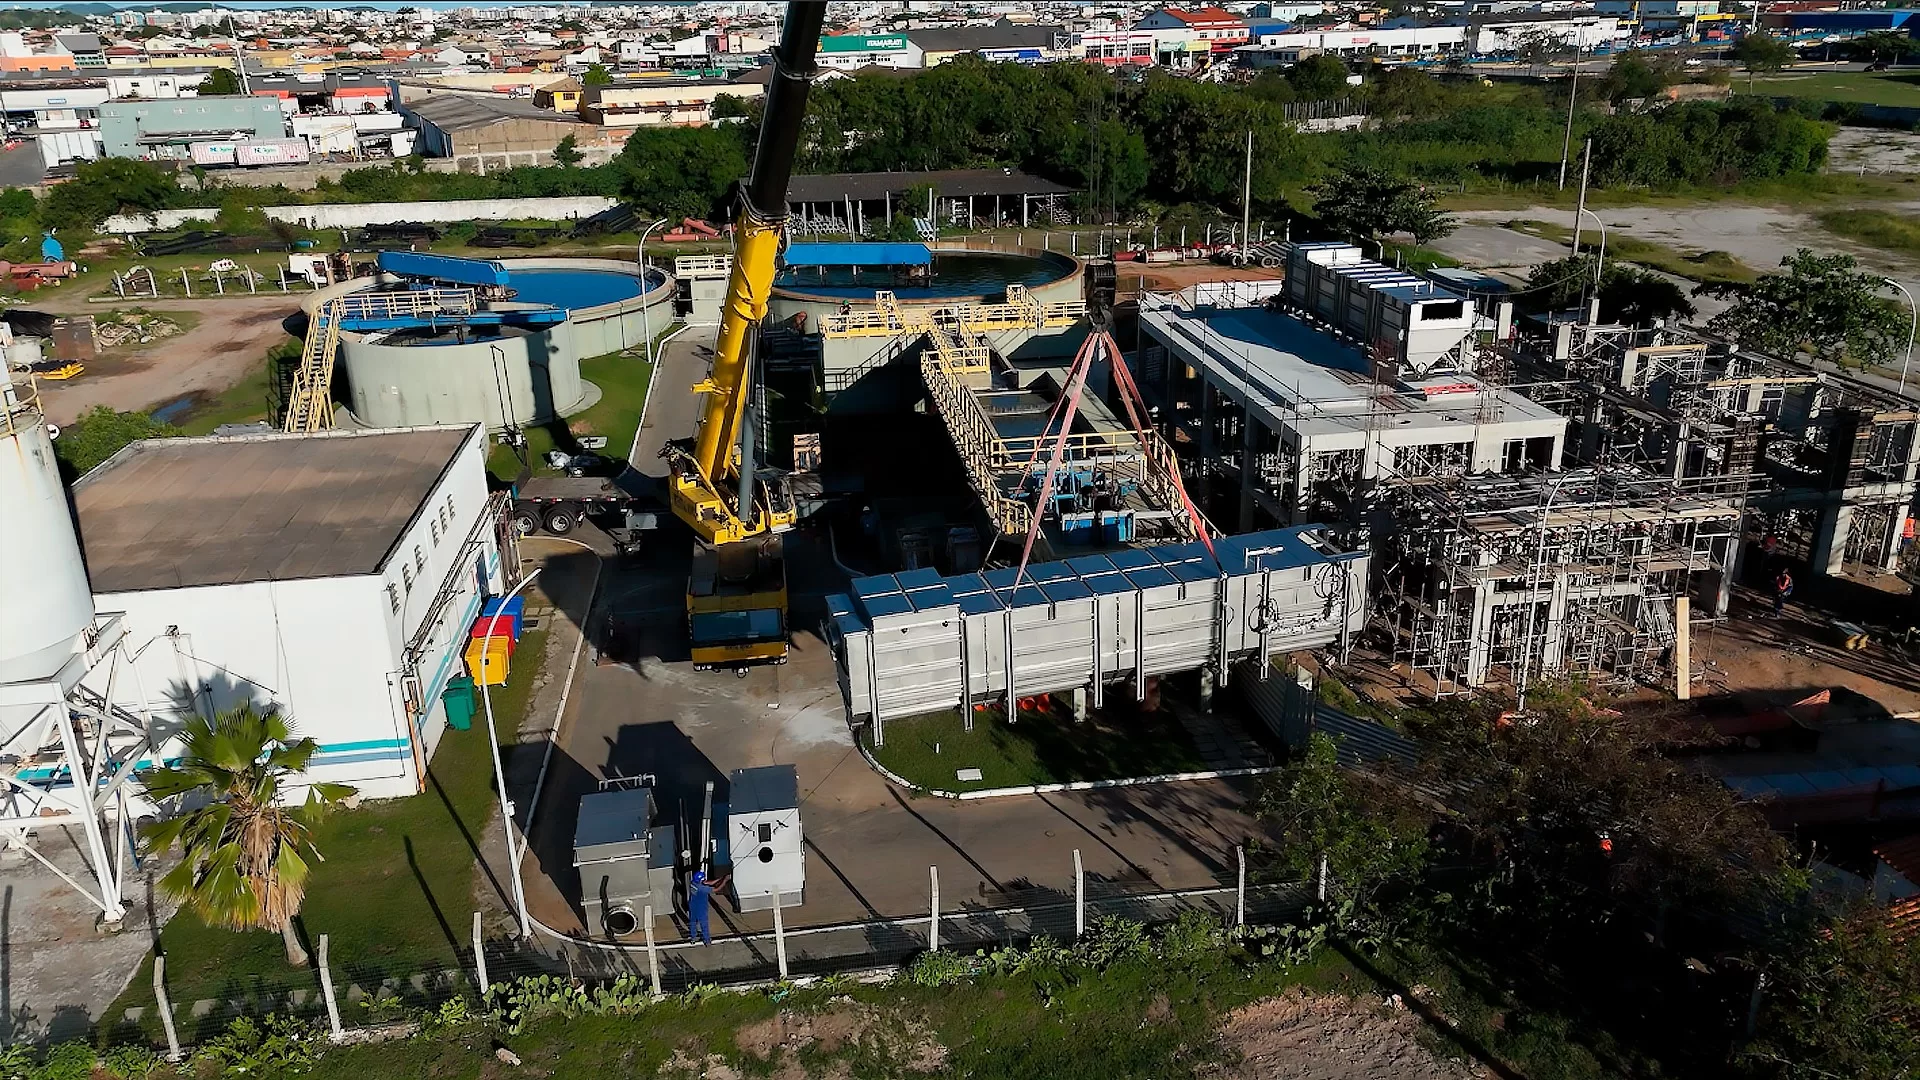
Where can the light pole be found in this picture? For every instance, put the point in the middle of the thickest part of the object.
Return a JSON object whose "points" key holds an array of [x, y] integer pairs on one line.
{"points": [[646, 325], [500, 772], [1911, 331], [1601, 263], [1533, 602]]}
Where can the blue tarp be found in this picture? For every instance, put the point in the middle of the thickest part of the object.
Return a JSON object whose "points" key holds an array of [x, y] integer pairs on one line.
{"points": [[858, 255], [448, 268]]}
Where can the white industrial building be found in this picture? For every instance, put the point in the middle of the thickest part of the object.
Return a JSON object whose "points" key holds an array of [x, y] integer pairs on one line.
{"points": [[1304, 413], [334, 577]]}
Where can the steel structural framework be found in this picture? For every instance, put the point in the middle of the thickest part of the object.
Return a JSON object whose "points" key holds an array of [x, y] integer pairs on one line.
{"points": [[70, 760]]}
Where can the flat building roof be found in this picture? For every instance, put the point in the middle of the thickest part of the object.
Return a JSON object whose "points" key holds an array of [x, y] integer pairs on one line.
{"points": [[179, 513]]}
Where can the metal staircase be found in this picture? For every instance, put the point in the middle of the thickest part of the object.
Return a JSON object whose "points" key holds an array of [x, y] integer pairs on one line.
{"points": [[310, 400]]}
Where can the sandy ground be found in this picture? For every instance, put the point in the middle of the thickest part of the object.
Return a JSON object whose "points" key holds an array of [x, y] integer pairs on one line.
{"points": [[1873, 150], [1299, 1036], [232, 337]]}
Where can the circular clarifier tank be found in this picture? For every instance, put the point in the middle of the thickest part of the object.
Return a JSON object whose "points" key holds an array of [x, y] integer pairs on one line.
{"points": [[500, 375], [958, 276]]}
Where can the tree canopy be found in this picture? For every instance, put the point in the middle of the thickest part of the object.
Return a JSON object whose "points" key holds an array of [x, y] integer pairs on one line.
{"points": [[1822, 303], [1629, 295], [100, 433], [1365, 202], [219, 81]]}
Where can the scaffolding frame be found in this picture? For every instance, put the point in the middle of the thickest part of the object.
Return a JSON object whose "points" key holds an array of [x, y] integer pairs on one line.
{"points": [[1572, 572]]}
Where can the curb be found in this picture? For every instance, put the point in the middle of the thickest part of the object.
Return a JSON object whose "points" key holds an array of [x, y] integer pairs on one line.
{"points": [[1047, 789]]}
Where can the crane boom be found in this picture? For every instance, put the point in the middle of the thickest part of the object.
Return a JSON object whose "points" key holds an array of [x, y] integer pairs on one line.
{"points": [[711, 490]]}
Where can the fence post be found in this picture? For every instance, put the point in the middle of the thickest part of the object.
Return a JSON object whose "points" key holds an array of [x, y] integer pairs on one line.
{"points": [[185, 283], [1323, 879], [779, 936], [653, 955], [1240, 889], [166, 1007], [480, 957], [1079, 897], [933, 910], [326, 991]]}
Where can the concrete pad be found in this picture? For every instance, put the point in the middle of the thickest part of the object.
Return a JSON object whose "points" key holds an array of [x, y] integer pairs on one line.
{"points": [[58, 971]]}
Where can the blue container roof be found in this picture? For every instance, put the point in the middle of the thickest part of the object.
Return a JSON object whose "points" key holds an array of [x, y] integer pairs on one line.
{"points": [[1078, 578], [858, 255]]}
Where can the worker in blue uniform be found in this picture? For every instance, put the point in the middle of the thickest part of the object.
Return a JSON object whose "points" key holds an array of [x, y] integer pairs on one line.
{"points": [[700, 905]]}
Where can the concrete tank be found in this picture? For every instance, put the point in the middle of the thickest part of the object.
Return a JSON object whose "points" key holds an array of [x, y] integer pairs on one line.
{"points": [[45, 601], [520, 377]]}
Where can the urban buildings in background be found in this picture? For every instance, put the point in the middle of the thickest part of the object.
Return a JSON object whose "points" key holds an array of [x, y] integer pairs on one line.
{"points": [[356, 83]]}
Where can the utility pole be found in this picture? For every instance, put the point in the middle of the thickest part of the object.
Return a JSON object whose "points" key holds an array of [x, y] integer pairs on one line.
{"points": [[1573, 94], [1246, 205], [1586, 164]]}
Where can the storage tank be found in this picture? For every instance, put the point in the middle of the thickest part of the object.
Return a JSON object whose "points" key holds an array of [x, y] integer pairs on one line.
{"points": [[45, 601]]}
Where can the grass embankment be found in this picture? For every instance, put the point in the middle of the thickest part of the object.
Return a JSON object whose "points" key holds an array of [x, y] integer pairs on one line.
{"points": [[1898, 88], [395, 894], [1894, 232], [1135, 1018], [622, 380], [1042, 748], [1705, 267]]}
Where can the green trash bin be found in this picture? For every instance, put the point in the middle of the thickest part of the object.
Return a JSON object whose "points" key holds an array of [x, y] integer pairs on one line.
{"points": [[459, 699]]}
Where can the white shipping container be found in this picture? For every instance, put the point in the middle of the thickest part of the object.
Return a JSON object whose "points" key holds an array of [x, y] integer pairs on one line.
{"points": [[212, 153], [271, 152]]}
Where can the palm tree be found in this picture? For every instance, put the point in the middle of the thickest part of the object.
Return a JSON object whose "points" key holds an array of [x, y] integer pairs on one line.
{"points": [[246, 854]]}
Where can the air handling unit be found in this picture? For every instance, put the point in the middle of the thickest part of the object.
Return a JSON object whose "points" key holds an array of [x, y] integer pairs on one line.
{"points": [[626, 862], [1395, 315], [764, 839], [915, 642]]}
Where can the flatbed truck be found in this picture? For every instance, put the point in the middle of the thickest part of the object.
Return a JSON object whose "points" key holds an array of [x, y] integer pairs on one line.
{"points": [[559, 505]]}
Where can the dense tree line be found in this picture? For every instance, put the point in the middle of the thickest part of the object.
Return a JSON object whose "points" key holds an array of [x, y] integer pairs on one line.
{"points": [[1135, 146]]}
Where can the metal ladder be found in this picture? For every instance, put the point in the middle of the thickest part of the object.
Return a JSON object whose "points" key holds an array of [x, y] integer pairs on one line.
{"points": [[310, 403]]}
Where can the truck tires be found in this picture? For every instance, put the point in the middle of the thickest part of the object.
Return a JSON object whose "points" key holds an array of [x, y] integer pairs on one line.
{"points": [[563, 519], [526, 520]]}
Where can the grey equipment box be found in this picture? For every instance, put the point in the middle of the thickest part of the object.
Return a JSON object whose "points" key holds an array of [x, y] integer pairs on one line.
{"points": [[764, 838], [626, 863]]}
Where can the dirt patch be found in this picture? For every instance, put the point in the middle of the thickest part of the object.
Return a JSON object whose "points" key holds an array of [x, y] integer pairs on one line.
{"points": [[1159, 1010], [1300, 1036], [843, 1026], [233, 336]]}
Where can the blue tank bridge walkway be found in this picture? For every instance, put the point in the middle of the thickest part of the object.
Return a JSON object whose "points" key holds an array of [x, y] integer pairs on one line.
{"points": [[442, 291]]}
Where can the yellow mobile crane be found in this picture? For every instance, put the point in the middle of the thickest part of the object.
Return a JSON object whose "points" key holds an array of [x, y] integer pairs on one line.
{"points": [[737, 593]]}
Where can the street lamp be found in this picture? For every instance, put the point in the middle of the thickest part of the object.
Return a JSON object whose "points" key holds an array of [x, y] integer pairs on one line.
{"points": [[1911, 331], [500, 772], [646, 326], [1602, 261]]}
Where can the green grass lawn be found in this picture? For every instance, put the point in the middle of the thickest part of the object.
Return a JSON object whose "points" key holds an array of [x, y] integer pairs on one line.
{"points": [[623, 382], [395, 895], [1894, 232], [1040, 749], [1900, 88], [1701, 266]]}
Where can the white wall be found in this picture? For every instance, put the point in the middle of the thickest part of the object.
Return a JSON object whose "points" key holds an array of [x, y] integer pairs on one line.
{"points": [[317, 649], [562, 208], [330, 652]]}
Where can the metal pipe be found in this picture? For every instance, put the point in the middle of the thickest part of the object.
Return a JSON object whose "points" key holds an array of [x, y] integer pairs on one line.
{"points": [[706, 830], [500, 772]]}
